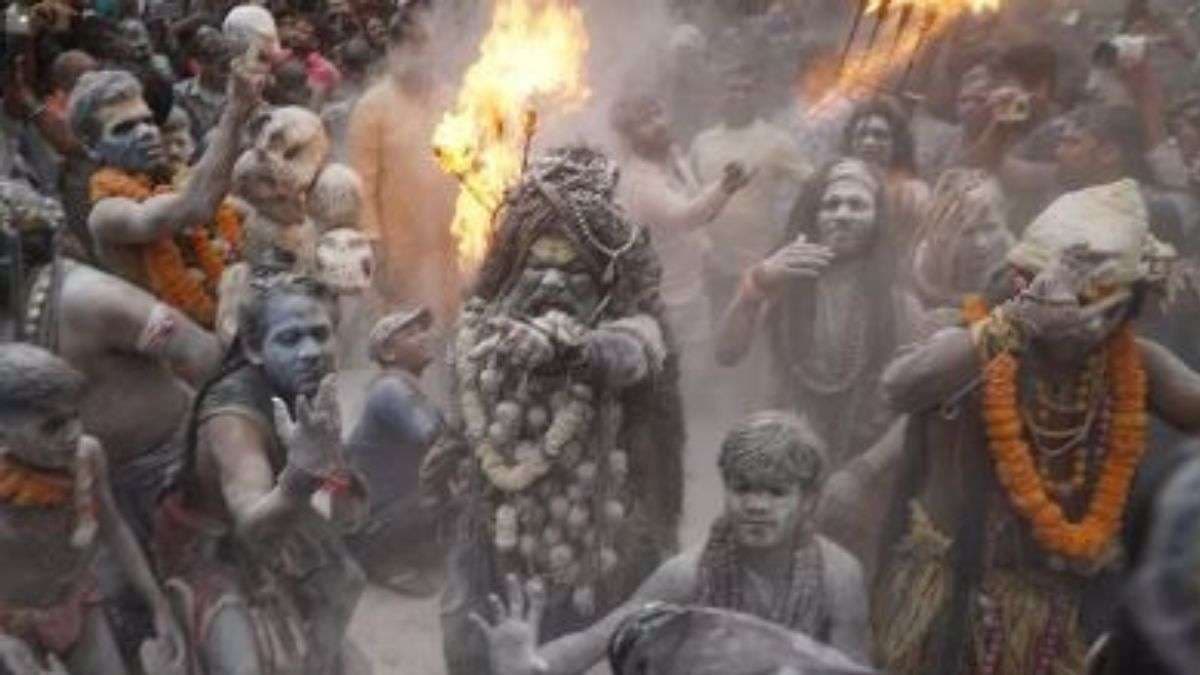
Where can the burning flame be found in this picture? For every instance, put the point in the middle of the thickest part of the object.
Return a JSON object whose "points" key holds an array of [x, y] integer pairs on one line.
{"points": [[531, 63], [897, 31]]}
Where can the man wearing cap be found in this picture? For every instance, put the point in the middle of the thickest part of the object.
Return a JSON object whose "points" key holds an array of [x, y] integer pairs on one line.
{"points": [[397, 427], [1027, 428], [762, 558]]}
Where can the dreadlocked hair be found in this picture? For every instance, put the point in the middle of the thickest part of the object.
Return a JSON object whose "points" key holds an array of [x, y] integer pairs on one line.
{"points": [[569, 192]]}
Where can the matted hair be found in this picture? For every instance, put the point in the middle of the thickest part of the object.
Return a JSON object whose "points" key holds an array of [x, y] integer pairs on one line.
{"points": [[784, 438], [252, 313], [32, 378], [95, 90]]}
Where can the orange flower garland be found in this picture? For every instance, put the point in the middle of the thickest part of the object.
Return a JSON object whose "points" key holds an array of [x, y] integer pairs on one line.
{"points": [[1015, 468], [166, 269], [22, 485], [974, 308]]}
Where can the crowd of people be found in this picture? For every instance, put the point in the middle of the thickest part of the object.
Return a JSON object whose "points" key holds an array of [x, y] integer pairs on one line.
{"points": [[945, 320]]}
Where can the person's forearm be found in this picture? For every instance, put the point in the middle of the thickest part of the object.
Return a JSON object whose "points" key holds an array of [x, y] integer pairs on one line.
{"points": [[738, 327], [932, 372], [212, 176]]}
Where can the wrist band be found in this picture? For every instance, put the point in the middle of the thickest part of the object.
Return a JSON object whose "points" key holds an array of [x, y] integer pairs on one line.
{"points": [[299, 483]]}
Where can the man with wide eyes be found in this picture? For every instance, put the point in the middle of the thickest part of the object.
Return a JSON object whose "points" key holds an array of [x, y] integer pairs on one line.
{"points": [[146, 233]]}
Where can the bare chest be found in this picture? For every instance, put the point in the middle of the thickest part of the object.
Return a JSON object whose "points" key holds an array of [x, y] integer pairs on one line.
{"points": [[40, 565]]}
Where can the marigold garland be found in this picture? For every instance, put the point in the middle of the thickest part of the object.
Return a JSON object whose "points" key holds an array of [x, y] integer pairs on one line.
{"points": [[166, 269], [1089, 538], [23, 485], [974, 308]]}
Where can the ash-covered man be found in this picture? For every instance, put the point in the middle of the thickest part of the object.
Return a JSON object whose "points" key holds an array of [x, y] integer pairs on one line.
{"points": [[56, 509], [398, 426], [175, 244], [267, 584], [659, 190], [566, 428], [762, 557]]}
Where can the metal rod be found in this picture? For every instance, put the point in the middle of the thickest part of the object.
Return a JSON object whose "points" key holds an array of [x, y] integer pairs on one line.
{"points": [[902, 26], [927, 25], [858, 15]]}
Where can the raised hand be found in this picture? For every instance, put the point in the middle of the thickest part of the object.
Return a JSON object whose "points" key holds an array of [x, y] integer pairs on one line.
{"points": [[512, 635], [525, 344], [1010, 105], [314, 438], [735, 177], [800, 259], [247, 79], [16, 657]]}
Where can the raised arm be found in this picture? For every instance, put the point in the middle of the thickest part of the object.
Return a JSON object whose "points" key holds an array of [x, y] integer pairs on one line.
{"points": [[761, 284], [1174, 389], [124, 221], [124, 318], [672, 211], [927, 374]]}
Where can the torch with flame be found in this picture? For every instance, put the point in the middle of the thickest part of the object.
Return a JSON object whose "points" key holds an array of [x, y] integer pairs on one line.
{"points": [[912, 24], [531, 63]]}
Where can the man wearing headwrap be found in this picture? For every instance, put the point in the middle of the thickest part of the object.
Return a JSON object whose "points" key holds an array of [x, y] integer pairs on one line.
{"points": [[762, 559], [565, 437], [1026, 430]]}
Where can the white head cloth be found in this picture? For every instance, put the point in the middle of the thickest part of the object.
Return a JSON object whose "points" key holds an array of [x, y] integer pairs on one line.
{"points": [[1109, 219]]}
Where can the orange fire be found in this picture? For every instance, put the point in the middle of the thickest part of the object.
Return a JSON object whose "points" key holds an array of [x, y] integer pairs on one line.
{"points": [[531, 64], [905, 28]]}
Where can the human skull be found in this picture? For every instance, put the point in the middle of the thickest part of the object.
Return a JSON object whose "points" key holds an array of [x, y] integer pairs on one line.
{"points": [[288, 150], [345, 260]]}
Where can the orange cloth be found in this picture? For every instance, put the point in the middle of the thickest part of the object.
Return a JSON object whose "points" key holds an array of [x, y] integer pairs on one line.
{"points": [[408, 202]]}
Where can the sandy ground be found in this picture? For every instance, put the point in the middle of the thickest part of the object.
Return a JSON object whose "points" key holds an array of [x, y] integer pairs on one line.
{"points": [[402, 637]]}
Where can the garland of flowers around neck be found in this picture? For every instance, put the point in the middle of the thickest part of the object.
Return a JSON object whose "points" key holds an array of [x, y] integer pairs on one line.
{"points": [[22, 485], [1091, 537], [170, 277], [555, 485]]}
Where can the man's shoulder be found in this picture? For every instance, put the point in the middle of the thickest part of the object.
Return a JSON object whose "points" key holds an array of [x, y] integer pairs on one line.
{"points": [[841, 566]]}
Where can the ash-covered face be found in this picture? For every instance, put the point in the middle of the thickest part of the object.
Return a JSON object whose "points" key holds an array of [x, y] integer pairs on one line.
{"points": [[650, 134], [847, 218], [136, 38], [765, 512], [129, 138], [345, 260], [298, 348], [556, 277], [873, 141], [971, 105], [46, 437], [376, 31], [275, 175], [177, 139], [983, 242]]}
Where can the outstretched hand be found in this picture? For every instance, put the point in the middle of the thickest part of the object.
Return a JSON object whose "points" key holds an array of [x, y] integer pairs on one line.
{"points": [[314, 438], [800, 259], [16, 657], [512, 635]]}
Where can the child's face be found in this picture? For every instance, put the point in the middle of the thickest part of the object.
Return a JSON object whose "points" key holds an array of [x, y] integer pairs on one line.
{"points": [[412, 348]]}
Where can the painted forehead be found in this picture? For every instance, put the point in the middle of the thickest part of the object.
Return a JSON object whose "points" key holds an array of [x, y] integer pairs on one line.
{"points": [[553, 250]]}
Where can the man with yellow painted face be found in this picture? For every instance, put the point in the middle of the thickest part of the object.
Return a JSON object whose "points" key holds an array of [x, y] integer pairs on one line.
{"points": [[562, 453]]}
